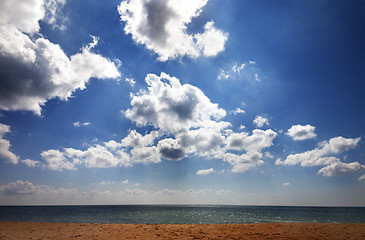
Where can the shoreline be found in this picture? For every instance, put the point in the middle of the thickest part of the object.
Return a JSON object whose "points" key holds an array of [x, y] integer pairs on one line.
{"points": [[37, 230]]}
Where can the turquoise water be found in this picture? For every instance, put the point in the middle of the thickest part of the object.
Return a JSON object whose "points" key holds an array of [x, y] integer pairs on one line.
{"points": [[181, 214]]}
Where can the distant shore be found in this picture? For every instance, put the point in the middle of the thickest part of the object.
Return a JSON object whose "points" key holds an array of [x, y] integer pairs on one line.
{"points": [[34, 230]]}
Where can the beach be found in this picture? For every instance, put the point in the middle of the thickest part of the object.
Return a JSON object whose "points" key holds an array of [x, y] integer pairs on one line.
{"points": [[35, 230]]}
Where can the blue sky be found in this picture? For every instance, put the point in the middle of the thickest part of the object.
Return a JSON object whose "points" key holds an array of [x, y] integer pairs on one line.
{"points": [[161, 101]]}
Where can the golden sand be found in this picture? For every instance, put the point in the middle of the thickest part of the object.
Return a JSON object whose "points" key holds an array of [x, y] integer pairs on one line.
{"points": [[30, 230]]}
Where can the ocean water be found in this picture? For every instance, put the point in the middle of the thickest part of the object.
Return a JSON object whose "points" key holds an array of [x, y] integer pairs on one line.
{"points": [[181, 214]]}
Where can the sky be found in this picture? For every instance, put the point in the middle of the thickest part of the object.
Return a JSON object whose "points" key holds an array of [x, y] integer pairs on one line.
{"points": [[182, 102]]}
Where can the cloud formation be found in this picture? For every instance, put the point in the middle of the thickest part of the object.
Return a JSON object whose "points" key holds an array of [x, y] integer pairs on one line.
{"points": [[246, 70], [161, 25], [186, 123], [237, 111], [260, 121], [205, 171], [300, 132], [5, 152], [78, 124], [33, 69], [24, 192], [325, 154]]}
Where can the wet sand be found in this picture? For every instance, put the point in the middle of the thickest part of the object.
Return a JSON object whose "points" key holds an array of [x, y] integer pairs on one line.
{"points": [[29, 230]]}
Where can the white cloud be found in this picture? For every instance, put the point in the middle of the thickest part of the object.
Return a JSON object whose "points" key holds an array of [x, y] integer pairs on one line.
{"points": [[286, 184], [134, 148], [243, 162], [341, 168], [321, 155], [205, 171], [136, 140], [53, 13], [55, 160], [22, 14], [173, 107], [223, 75], [256, 142], [107, 182], [131, 81], [237, 111], [186, 123], [211, 41], [245, 70], [34, 69], [362, 177], [324, 155], [300, 132], [31, 163], [78, 124], [260, 121], [161, 25], [5, 152], [269, 155], [27, 193], [238, 69], [18, 188]]}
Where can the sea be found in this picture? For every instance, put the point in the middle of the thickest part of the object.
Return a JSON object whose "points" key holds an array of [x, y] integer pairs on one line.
{"points": [[181, 214]]}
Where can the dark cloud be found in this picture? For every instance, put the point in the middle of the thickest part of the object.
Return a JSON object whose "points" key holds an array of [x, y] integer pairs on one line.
{"points": [[172, 153], [158, 14]]}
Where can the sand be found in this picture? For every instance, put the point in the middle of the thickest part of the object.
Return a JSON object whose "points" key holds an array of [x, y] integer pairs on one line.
{"points": [[29, 230]]}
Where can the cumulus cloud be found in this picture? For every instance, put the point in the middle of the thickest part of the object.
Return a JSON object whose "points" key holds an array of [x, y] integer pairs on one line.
{"points": [[256, 142], [161, 25], [325, 154], [300, 132], [205, 171], [33, 69], [260, 121], [322, 154], [31, 163], [186, 123], [173, 107], [243, 162], [97, 156], [341, 168], [5, 145], [18, 188], [362, 177], [134, 148], [23, 14]]}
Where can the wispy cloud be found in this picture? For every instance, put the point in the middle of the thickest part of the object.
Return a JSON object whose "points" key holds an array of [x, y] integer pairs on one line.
{"points": [[237, 111], [81, 124], [247, 70]]}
